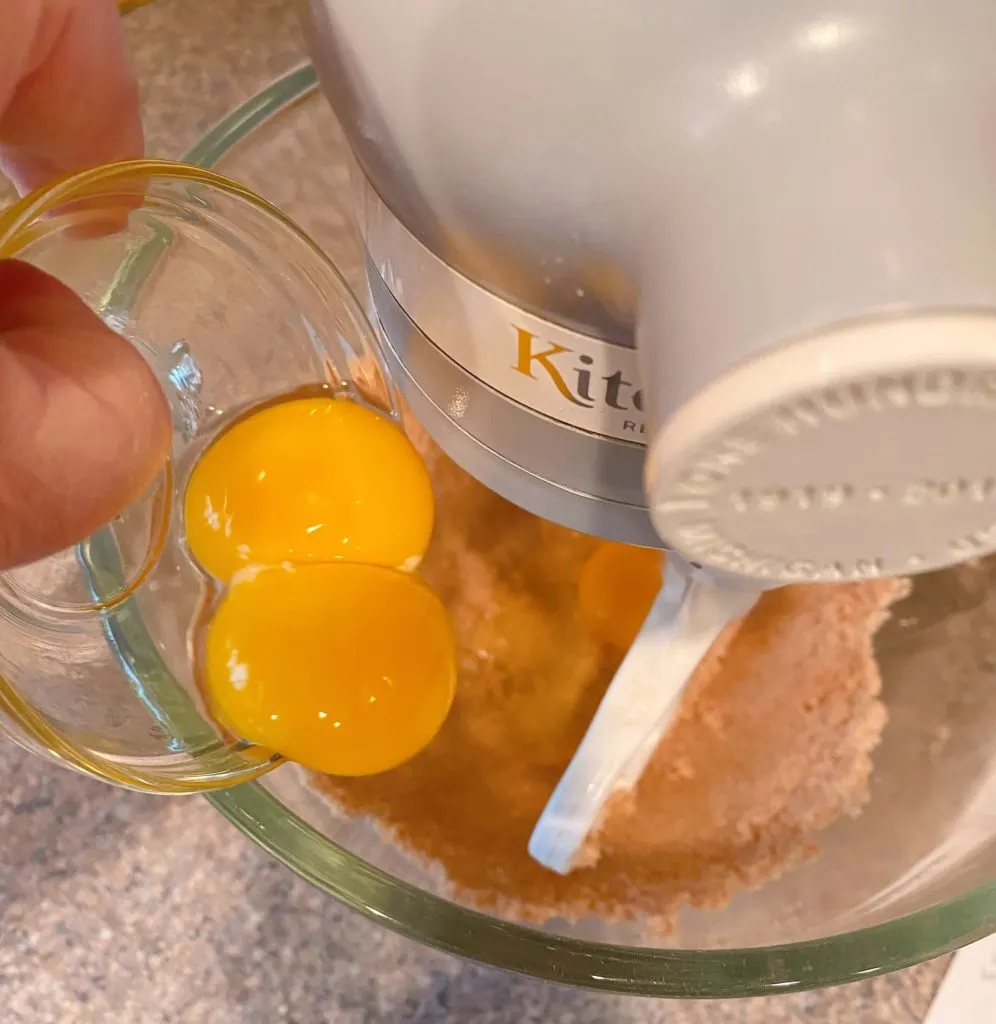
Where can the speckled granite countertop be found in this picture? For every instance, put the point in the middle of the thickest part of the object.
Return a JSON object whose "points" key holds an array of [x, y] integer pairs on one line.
{"points": [[135, 910]]}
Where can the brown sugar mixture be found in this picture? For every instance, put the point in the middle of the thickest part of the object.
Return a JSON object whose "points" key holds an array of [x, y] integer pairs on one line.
{"points": [[771, 744]]}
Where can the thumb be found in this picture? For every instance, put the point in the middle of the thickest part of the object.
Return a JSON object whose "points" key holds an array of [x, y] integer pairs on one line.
{"points": [[84, 426]]}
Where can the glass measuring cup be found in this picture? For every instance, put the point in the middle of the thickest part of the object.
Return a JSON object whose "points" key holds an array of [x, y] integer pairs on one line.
{"points": [[231, 304]]}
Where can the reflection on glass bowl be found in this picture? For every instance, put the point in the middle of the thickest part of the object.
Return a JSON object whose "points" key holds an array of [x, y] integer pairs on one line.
{"points": [[911, 877]]}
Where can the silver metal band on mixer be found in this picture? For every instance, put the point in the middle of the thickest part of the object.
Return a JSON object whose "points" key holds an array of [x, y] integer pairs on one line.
{"points": [[526, 422]]}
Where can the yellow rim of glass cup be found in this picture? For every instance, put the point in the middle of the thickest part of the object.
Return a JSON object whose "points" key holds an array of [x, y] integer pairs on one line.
{"points": [[20, 225]]}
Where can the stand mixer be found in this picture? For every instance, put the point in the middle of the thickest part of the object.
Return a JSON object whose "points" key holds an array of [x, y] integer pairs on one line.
{"points": [[724, 279], [746, 316]]}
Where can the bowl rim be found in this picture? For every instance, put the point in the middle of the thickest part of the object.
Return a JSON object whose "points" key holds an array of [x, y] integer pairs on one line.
{"points": [[630, 970]]}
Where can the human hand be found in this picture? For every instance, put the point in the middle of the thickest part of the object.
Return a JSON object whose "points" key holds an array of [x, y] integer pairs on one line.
{"points": [[84, 426]]}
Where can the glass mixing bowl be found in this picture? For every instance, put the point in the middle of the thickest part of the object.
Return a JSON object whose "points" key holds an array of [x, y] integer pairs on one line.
{"points": [[231, 305], [910, 878]]}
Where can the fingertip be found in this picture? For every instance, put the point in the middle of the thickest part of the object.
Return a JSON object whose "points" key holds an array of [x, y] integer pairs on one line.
{"points": [[68, 96], [85, 427]]}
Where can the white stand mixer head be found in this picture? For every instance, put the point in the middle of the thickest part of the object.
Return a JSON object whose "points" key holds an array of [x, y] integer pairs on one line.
{"points": [[864, 452]]}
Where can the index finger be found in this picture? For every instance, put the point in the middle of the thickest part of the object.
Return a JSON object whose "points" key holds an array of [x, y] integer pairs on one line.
{"points": [[68, 98]]}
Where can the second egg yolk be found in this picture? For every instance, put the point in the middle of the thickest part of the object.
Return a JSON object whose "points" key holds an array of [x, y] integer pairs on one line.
{"points": [[347, 669], [311, 479], [617, 587]]}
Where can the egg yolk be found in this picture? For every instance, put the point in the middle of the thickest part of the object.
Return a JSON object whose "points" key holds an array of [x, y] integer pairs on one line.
{"points": [[314, 479], [618, 585], [347, 669]]}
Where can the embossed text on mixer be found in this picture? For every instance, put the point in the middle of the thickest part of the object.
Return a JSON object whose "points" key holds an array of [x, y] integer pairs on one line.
{"points": [[702, 539], [772, 499], [979, 542], [926, 389], [836, 495]]}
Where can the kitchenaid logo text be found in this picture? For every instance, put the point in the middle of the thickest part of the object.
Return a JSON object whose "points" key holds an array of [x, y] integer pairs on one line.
{"points": [[583, 381], [568, 376]]}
